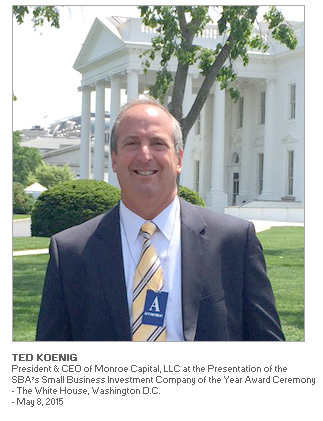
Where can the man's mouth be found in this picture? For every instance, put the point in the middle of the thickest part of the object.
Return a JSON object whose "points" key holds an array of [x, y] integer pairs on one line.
{"points": [[145, 172]]}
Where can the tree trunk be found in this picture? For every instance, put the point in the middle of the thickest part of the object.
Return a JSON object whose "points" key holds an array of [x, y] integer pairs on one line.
{"points": [[189, 120]]}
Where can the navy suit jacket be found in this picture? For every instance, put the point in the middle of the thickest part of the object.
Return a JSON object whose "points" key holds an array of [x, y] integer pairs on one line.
{"points": [[226, 295]]}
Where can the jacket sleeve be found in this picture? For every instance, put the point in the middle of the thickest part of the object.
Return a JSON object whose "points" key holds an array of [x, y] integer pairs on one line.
{"points": [[53, 322], [260, 318]]}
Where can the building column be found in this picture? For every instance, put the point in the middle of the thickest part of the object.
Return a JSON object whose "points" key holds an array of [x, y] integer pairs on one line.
{"points": [[245, 155], [99, 134], [114, 110], [85, 148], [132, 85], [269, 152], [217, 198], [115, 99], [186, 176]]}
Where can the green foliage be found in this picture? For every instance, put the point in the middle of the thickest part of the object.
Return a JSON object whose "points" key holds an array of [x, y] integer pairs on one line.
{"points": [[22, 202], [190, 196], [39, 15], [25, 160], [285, 34], [226, 75], [281, 31], [71, 203], [49, 175], [274, 17], [159, 90]]}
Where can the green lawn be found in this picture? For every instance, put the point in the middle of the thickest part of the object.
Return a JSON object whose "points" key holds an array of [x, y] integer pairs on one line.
{"points": [[29, 243], [284, 253], [28, 278], [18, 216]]}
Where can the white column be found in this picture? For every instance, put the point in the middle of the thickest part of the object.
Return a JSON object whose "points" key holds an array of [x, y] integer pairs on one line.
{"points": [[245, 155], [99, 134], [132, 85], [188, 99], [218, 198], [85, 156], [269, 153], [115, 99], [114, 110], [186, 176]]}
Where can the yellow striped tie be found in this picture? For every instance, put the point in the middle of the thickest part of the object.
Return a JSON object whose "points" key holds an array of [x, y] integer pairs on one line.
{"points": [[148, 276]]}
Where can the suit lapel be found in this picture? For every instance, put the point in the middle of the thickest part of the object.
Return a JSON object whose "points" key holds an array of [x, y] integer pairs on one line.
{"points": [[108, 259], [194, 248]]}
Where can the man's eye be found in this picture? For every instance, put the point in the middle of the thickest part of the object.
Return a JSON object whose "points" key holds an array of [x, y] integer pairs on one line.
{"points": [[130, 143], [160, 144]]}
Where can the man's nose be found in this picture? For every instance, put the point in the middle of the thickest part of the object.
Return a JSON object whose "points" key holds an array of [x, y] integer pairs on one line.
{"points": [[145, 152]]}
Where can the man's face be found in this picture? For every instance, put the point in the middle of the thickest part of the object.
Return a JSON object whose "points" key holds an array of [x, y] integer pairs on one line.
{"points": [[146, 163]]}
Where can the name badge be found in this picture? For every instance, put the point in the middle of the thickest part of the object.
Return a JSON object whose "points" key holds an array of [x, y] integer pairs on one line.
{"points": [[155, 308]]}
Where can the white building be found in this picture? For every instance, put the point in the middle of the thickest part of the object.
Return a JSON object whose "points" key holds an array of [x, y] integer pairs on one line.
{"points": [[60, 144], [71, 157], [244, 158]]}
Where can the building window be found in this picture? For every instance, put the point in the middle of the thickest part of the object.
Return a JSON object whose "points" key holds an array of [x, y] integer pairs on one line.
{"points": [[196, 176], [290, 175], [262, 107], [240, 113], [260, 172], [198, 125], [292, 101], [236, 182], [235, 158]]}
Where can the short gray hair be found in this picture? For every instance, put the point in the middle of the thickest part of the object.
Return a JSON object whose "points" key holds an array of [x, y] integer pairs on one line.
{"points": [[177, 131]]}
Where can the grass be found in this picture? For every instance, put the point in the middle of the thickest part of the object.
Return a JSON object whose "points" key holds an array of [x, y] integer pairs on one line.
{"points": [[29, 243], [284, 253], [18, 216], [28, 278]]}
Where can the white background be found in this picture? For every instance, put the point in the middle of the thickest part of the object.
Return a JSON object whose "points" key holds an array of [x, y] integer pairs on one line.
{"points": [[251, 402]]}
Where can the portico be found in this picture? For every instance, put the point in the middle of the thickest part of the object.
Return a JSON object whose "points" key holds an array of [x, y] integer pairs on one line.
{"points": [[236, 153]]}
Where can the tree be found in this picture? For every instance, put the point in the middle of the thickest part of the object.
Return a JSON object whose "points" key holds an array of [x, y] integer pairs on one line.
{"points": [[25, 160], [22, 202], [49, 175], [39, 15], [176, 28]]}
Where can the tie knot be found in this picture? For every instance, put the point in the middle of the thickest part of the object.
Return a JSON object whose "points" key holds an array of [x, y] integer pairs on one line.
{"points": [[149, 228]]}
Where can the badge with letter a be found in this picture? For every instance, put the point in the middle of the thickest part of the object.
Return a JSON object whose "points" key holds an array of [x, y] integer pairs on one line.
{"points": [[155, 308]]}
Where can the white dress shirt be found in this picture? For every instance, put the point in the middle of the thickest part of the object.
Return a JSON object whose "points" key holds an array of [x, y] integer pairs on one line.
{"points": [[167, 244]]}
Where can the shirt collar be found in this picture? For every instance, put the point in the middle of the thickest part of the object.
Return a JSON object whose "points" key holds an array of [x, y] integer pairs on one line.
{"points": [[165, 220]]}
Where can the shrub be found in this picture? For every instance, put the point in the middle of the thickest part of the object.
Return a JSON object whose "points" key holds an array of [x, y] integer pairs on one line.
{"points": [[22, 202], [190, 196], [71, 203]]}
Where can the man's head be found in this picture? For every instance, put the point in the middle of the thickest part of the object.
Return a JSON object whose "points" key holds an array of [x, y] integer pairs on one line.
{"points": [[177, 131], [146, 154]]}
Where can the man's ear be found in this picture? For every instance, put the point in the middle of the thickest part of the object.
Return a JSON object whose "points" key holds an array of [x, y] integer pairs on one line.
{"points": [[180, 161], [114, 161]]}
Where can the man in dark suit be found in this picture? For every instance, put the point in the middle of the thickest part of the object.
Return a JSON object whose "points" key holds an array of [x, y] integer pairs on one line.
{"points": [[212, 264]]}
